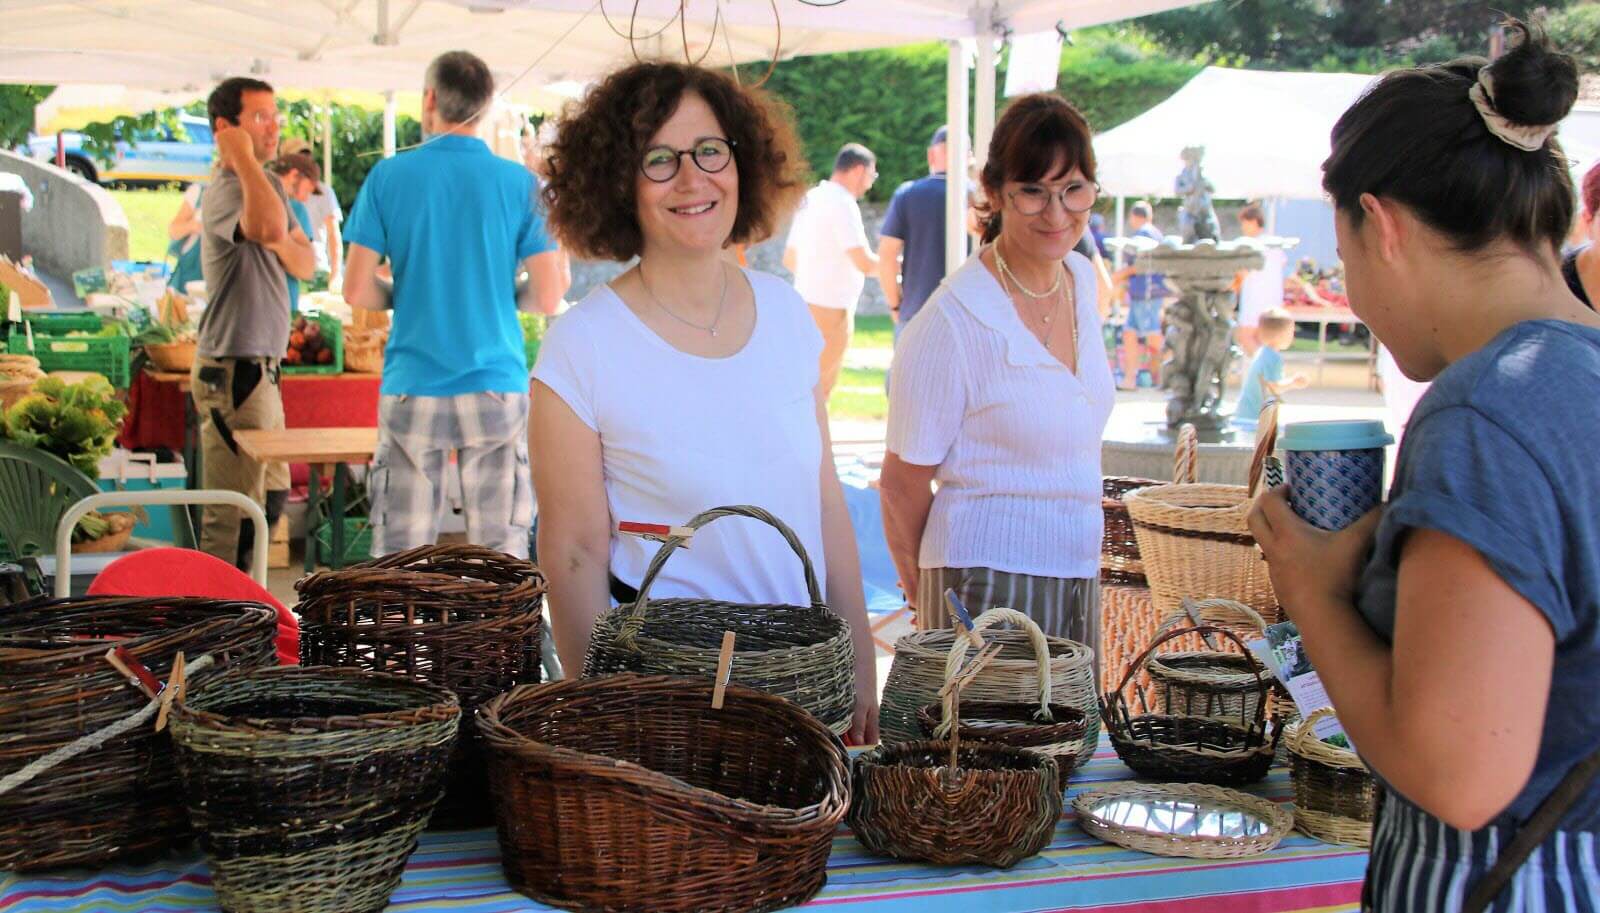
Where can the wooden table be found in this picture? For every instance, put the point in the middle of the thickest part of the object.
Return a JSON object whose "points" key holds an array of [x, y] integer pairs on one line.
{"points": [[1324, 316], [319, 447]]}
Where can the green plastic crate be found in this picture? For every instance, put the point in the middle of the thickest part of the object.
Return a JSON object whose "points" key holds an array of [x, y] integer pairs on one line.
{"points": [[107, 355], [357, 541], [333, 336], [64, 322]]}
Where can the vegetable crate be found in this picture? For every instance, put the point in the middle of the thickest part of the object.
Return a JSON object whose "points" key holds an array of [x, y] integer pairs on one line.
{"points": [[333, 337], [106, 354]]}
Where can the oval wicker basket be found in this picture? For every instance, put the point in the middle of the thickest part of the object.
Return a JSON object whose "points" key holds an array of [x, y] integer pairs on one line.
{"points": [[1186, 802], [461, 616], [1335, 795], [802, 653], [363, 350], [175, 357], [1048, 728], [309, 786], [1211, 682], [1163, 746], [1193, 538], [123, 797], [1120, 562], [630, 793], [917, 675]]}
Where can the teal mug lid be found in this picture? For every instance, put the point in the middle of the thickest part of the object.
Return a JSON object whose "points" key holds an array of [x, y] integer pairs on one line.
{"points": [[1345, 434]]}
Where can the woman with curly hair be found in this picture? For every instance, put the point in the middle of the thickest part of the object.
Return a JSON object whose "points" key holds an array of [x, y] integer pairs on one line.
{"points": [[687, 382]]}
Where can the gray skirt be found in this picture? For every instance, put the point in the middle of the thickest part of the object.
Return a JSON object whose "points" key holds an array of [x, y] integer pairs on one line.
{"points": [[1067, 607]]}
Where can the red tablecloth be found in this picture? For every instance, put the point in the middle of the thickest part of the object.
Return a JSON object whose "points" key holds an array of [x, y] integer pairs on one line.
{"points": [[156, 408]]}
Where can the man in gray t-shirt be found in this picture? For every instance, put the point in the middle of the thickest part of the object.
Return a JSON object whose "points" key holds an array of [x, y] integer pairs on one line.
{"points": [[248, 243]]}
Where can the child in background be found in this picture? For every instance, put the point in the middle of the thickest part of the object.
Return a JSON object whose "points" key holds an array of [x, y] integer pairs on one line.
{"points": [[1265, 379]]}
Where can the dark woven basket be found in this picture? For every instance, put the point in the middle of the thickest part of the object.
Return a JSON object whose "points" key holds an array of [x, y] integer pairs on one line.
{"points": [[122, 798], [1017, 725], [1195, 749], [309, 785], [629, 793], [803, 653], [460, 616], [1120, 563]]}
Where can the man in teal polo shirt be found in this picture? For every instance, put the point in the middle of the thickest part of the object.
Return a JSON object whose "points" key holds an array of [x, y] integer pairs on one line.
{"points": [[454, 221]]}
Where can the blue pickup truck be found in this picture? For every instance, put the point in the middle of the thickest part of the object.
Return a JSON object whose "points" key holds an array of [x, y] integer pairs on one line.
{"points": [[158, 156]]}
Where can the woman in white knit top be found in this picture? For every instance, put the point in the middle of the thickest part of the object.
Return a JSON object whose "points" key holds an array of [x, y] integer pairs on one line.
{"points": [[1000, 391]]}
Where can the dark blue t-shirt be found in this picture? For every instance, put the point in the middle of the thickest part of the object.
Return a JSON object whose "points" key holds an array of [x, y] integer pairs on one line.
{"points": [[1501, 454], [916, 217]]}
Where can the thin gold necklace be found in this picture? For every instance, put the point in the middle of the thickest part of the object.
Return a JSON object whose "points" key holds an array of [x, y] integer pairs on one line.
{"points": [[1005, 269], [722, 301], [1068, 296]]}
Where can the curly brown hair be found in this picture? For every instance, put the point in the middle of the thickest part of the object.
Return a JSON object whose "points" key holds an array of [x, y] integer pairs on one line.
{"points": [[593, 163]]}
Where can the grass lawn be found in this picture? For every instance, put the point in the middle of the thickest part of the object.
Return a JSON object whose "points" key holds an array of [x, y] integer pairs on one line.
{"points": [[148, 213], [860, 391]]}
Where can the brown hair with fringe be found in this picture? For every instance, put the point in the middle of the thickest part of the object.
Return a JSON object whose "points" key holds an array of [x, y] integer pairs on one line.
{"points": [[1038, 137]]}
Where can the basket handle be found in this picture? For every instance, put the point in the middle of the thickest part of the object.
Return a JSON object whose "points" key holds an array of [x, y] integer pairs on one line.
{"points": [[1306, 731], [1137, 664], [1217, 612], [1266, 442], [958, 654], [1185, 455], [673, 543]]}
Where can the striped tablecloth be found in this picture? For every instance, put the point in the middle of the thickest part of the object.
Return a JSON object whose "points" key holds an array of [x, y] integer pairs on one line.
{"points": [[460, 871]]}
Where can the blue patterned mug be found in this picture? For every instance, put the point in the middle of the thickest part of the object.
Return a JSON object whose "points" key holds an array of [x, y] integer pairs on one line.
{"points": [[1335, 469]]}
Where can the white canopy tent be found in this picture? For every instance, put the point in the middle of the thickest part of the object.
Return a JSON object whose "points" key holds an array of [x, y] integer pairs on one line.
{"points": [[384, 45]]}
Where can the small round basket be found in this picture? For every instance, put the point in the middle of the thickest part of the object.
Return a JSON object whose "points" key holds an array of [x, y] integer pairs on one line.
{"points": [[174, 357], [310, 785], [1335, 795], [802, 653], [1195, 820], [631, 793], [1164, 746], [1212, 683]]}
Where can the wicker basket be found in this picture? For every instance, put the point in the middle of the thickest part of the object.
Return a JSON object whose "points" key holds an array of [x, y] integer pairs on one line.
{"points": [[1188, 748], [1051, 729], [1335, 795], [176, 357], [1213, 683], [630, 793], [310, 785], [954, 804], [1193, 538], [1128, 621], [363, 350], [1188, 803], [803, 653], [918, 673], [1120, 563], [460, 616], [123, 797]]}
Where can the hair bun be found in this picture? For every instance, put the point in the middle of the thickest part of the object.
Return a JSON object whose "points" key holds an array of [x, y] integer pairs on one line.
{"points": [[1534, 83]]}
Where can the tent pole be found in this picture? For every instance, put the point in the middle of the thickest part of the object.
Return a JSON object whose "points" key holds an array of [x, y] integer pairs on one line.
{"points": [[1122, 228], [1272, 216], [388, 123], [327, 143], [984, 104], [955, 200]]}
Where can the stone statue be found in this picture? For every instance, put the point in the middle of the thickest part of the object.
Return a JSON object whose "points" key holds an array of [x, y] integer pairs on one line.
{"points": [[1197, 220]]}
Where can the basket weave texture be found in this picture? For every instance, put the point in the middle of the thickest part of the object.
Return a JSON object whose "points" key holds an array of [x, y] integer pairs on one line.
{"points": [[310, 785], [802, 653], [1163, 746], [1211, 682], [1120, 562], [630, 793], [460, 616], [1335, 795], [122, 798], [1183, 802], [1193, 538]]}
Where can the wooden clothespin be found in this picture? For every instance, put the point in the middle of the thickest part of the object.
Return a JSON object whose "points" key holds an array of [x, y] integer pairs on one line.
{"points": [[171, 692], [137, 675], [656, 532], [963, 619], [724, 669], [961, 681], [1193, 611]]}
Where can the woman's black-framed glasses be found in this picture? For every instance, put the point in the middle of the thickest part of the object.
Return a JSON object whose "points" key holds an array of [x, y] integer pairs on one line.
{"points": [[711, 154], [1078, 196]]}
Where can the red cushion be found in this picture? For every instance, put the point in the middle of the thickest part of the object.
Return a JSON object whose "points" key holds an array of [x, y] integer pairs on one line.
{"points": [[184, 572]]}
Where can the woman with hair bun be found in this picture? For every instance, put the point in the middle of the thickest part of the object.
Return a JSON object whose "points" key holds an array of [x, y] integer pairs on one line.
{"points": [[1457, 629]]}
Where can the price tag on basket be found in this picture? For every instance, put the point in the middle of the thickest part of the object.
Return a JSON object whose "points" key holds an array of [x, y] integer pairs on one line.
{"points": [[655, 532], [963, 618]]}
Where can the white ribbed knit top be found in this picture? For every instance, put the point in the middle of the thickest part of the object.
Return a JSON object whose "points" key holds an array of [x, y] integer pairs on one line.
{"points": [[1014, 434]]}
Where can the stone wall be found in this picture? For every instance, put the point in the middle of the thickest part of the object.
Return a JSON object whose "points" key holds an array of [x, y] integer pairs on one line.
{"points": [[73, 224]]}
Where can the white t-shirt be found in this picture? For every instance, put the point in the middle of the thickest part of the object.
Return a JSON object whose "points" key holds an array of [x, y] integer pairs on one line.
{"points": [[680, 434], [320, 206], [1262, 289], [826, 227], [1014, 434]]}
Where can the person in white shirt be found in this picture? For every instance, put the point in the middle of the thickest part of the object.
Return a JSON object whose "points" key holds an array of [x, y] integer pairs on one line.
{"points": [[326, 218], [1260, 290], [687, 383], [1000, 393], [829, 254]]}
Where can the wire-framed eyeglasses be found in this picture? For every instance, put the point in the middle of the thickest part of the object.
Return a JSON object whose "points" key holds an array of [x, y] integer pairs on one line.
{"points": [[1078, 196]]}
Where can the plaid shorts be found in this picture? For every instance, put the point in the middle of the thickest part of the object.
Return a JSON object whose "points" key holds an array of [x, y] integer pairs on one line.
{"points": [[416, 434]]}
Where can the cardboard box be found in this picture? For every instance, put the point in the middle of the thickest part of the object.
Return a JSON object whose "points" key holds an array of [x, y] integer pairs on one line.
{"points": [[31, 293], [278, 545]]}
